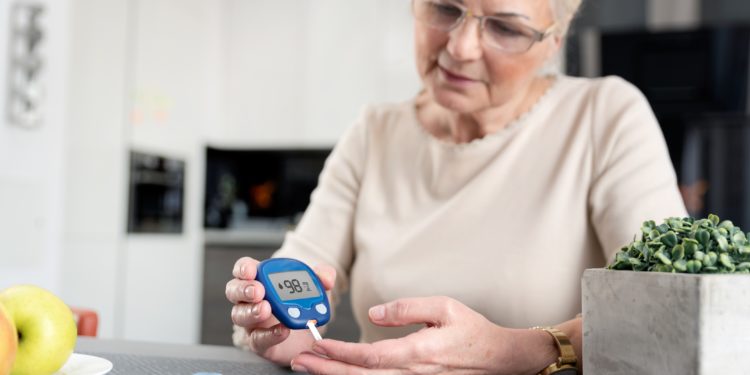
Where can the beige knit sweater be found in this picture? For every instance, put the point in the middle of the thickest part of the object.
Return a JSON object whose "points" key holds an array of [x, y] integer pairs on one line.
{"points": [[507, 223]]}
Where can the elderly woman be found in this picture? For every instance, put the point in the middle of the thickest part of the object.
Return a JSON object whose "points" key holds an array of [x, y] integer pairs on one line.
{"points": [[471, 211]]}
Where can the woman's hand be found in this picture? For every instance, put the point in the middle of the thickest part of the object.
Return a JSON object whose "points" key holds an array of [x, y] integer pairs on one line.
{"points": [[259, 330], [455, 340]]}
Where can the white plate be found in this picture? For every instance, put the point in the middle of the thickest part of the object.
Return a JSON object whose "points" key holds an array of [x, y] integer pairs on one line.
{"points": [[82, 364]]}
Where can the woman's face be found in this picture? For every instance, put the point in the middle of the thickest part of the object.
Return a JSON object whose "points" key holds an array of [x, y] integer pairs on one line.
{"points": [[467, 75]]}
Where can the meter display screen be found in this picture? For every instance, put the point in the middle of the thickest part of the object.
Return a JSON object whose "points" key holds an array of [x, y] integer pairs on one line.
{"points": [[293, 285]]}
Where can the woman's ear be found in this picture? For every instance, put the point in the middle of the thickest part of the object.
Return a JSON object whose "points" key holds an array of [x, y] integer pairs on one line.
{"points": [[552, 59], [555, 45]]}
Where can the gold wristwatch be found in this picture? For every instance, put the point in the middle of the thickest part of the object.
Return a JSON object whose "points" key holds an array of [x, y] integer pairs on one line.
{"points": [[567, 363]]}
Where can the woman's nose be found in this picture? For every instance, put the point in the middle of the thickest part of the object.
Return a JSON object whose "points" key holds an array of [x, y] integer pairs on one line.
{"points": [[464, 42]]}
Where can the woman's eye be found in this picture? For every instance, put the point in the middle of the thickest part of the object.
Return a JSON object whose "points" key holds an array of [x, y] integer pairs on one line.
{"points": [[446, 10], [503, 29]]}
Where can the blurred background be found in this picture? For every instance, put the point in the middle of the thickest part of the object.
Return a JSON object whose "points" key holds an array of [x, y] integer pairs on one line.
{"points": [[145, 145]]}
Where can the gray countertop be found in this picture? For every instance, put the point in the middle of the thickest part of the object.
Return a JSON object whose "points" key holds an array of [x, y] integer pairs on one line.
{"points": [[135, 357]]}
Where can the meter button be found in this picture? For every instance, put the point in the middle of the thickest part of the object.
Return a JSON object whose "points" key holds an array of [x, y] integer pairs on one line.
{"points": [[321, 308], [293, 312]]}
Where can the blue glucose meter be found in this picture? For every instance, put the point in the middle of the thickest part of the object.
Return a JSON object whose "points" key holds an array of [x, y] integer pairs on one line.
{"points": [[294, 291]]}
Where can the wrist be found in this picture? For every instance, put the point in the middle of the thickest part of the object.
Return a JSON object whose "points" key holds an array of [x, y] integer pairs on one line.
{"points": [[532, 351]]}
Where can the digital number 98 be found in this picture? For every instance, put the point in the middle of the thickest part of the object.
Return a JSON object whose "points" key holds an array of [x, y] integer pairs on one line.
{"points": [[294, 285]]}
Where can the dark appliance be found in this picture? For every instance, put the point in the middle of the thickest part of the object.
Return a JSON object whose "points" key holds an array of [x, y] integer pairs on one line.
{"points": [[259, 187], [156, 194]]}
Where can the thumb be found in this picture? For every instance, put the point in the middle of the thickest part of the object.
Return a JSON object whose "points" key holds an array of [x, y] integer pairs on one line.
{"points": [[433, 311], [327, 275]]}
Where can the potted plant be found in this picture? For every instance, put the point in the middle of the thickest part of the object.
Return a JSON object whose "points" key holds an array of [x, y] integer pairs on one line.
{"points": [[674, 301]]}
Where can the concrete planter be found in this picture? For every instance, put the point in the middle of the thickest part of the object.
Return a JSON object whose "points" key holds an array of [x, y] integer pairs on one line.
{"points": [[659, 323]]}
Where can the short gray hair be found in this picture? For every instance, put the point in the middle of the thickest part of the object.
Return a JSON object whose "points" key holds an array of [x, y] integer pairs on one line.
{"points": [[564, 11]]}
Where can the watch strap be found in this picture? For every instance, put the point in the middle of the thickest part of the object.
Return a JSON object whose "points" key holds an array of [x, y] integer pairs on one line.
{"points": [[567, 358]]}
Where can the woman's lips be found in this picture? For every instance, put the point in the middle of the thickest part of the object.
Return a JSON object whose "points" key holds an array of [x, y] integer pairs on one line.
{"points": [[455, 78]]}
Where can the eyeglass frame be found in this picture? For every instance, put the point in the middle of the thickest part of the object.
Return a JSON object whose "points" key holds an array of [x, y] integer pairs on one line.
{"points": [[537, 36]]}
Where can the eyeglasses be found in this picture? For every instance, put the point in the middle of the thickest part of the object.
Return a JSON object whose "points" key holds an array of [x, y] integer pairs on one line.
{"points": [[498, 32]]}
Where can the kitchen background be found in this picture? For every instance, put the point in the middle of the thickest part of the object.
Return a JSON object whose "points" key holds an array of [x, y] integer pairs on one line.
{"points": [[146, 145]]}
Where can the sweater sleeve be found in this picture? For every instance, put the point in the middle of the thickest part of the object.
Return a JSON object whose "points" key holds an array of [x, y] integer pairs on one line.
{"points": [[325, 233], [633, 178]]}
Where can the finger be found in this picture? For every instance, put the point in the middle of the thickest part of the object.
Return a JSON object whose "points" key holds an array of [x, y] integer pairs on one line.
{"points": [[245, 268], [395, 353], [313, 364], [251, 315], [262, 339], [327, 275], [238, 291], [428, 310]]}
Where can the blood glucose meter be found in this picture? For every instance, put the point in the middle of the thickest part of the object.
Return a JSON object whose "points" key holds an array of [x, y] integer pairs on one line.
{"points": [[295, 293]]}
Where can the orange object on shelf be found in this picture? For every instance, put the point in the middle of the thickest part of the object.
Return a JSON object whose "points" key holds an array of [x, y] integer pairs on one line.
{"points": [[87, 321]]}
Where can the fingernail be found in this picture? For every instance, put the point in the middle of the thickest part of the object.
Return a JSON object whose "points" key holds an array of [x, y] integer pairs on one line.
{"points": [[242, 270], [298, 368], [377, 312], [319, 349], [249, 292], [255, 310], [277, 331]]}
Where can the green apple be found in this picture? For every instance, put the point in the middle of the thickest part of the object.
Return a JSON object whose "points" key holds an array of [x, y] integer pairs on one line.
{"points": [[8, 342], [46, 329]]}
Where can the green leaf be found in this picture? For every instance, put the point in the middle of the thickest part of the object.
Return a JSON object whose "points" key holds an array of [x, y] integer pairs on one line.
{"points": [[634, 262], [646, 254], [714, 219], [654, 234], [726, 261], [739, 239], [669, 239], [678, 252], [722, 242], [659, 254], [663, 268], [726, 224], [680, 265], [703, 237], [710, 259], [710, 269], [694, 266], [690, 245]]}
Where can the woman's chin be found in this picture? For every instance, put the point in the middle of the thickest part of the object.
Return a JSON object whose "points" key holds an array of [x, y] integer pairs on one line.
{"points": [[457, 102]]}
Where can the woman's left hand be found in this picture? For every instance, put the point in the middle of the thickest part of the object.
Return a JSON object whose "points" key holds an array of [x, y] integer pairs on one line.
{"points": [[456, 339]]}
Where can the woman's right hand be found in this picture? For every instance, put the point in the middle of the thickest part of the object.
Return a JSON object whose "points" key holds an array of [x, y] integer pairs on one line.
{"points": [[258, 329]]}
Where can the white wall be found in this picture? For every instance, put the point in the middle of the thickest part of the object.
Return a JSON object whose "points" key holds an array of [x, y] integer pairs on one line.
{"points": [[31, 168], [299, 73], [95, 159], [266, 63], [358, 53]]}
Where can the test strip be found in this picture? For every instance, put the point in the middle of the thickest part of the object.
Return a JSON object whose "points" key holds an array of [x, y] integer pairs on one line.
{"points": [[314, 330]]}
